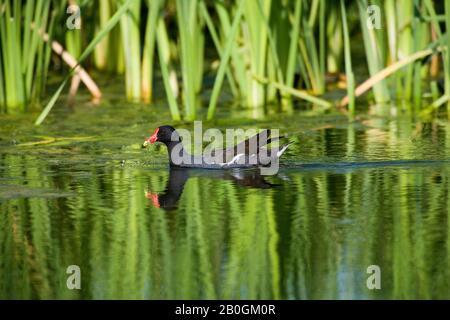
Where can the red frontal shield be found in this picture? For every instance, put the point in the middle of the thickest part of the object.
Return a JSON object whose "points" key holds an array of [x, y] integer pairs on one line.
{"points": [[154, 137]]}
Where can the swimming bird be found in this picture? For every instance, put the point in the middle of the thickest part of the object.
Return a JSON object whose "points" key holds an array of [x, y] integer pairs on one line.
{"points": [[249, 153]]}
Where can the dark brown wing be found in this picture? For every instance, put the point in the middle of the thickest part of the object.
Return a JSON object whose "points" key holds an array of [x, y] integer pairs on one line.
{"points": [[249, 146]]}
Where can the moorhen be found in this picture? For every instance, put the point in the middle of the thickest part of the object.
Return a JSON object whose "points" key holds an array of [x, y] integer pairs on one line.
{"points": [[246, 154]]}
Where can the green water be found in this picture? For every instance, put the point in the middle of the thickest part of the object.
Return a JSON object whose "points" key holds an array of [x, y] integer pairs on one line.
{"points": [[73, 192]]}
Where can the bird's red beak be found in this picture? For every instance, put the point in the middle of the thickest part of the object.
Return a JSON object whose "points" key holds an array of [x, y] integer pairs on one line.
{"points": [[153, 138]]}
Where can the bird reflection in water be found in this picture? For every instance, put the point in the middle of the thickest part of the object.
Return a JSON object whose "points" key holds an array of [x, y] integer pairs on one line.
{"points": [[168, 200]]}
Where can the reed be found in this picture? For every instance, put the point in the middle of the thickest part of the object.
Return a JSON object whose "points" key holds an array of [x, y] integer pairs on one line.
{"points": [[374, 53], [309, 49], [447, 54], [215, 38], [87, 51], [108, 54], [290, 68], [148, 55], [129, 26], [224, 61], [348, 62], [167, 70], [334, 38], [191, 39], [273, 49], [23, 53]]}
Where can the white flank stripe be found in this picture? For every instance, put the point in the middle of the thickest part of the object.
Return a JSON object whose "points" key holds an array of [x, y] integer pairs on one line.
{"points": [[279, 153], [232, 161]]}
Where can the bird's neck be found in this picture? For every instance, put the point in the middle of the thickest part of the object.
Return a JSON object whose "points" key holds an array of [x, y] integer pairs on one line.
{"points": [[177, 146]]}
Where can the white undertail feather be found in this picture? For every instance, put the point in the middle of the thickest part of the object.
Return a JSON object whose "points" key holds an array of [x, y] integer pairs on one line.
{"points": [[279, 153]]}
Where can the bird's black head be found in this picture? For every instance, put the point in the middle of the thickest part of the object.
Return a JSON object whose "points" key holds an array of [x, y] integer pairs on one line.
{"points": [[164, 134]]}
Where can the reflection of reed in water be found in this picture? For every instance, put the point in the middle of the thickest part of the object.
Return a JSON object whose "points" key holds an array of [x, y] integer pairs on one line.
{"points": [[312, 236]]}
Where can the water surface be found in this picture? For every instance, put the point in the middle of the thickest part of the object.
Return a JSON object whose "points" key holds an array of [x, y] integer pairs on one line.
{"points": [[80, 191]]}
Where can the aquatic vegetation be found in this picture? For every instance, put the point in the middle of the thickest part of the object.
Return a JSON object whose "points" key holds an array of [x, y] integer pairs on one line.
{"points": [[348, 62], [24, 54], [263, 52]]}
